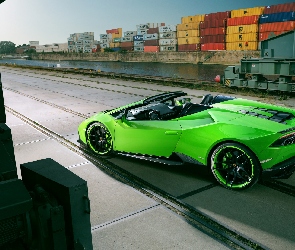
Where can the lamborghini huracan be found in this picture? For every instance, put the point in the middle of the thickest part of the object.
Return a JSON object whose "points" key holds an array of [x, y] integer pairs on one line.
{"points": [[240, 140]]}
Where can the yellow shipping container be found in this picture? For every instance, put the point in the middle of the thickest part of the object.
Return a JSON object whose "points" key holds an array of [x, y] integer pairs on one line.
{"points": [[188, 40], [247, 12], [188, 33], [250, 37], [242, 46], [188, 26], [114, 35], [242, 29], [198, 18], [184, 19], [192, 19]]}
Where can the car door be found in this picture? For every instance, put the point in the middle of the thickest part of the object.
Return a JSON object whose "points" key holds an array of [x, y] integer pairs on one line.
{"points": [[152, 137]]}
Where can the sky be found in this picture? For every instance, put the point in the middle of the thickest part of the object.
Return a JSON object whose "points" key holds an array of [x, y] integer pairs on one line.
{"points": [[52, 21]]}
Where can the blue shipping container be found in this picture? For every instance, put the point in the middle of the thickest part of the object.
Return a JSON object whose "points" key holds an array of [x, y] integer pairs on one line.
{"points": [[138, 38], [115, 49], [277, 17]]}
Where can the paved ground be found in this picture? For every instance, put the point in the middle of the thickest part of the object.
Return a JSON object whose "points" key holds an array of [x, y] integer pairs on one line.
{"points": [[121, 217]]}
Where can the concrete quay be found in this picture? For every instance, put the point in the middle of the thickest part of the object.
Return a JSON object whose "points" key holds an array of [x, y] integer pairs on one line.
{"points": [[122, 217]]}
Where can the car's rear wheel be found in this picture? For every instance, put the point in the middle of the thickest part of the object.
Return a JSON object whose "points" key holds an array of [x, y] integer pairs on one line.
{"points": [[234, 166], [99, 139]]}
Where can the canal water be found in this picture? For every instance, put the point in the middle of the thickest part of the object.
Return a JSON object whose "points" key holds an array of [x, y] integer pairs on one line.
{"points": [[201, 72]]}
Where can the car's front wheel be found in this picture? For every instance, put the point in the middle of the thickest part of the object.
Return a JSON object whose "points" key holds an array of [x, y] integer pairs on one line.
{"points": [[234, 166], [99, 139]]}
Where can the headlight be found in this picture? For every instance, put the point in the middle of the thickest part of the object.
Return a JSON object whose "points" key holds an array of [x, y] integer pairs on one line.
{"points": [[285, 140]]}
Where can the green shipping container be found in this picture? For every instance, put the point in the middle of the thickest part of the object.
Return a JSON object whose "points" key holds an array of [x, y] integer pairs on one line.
{"points": [[117, 40]]}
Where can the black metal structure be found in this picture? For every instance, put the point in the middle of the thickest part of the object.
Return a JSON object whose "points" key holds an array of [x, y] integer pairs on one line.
{"points": [[48, 209]]}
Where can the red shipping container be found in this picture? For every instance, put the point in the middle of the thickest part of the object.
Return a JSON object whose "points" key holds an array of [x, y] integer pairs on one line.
{"points": [[126, 44], [213, 23], [217, 15], [151, 48], [277, 26], [130, 48], [94, 50], [151, 42], [189, 47], [212, 31], [285, 7], [266, 35], [212, 46], [246, 20], [213, 39], [152, 30]]}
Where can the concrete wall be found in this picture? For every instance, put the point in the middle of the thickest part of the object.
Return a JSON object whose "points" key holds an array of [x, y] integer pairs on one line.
{"points": [[214, 57]]}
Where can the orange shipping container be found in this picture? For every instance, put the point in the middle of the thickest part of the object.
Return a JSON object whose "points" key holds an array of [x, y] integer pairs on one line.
{"points": [[277, 26], [242, 20], [269, 34], [151, 48]]}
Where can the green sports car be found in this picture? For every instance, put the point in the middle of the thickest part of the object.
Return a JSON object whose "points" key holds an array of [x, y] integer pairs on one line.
{"points": [[240, 140]]}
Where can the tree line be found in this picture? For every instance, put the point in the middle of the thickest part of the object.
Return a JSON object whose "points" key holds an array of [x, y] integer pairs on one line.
{"points": [[8, 47]]}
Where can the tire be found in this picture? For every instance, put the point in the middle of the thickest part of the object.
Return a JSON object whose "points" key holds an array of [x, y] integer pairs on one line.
{"points": [[99, 139], [234, 166]]}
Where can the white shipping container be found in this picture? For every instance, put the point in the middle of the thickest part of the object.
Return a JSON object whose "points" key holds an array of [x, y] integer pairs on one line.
{"points": [[79, 42], [167, 28], [105, 41], [142, 26], [93, 46], [130, 33], [126, 39], [141, 31], [138, 49], [168, 48], [69, 39], [88, 33], [105, 36], [154, 25], [154, 36], [166, 35], [87, 42], [167, 41], [104, 45], [138, 43]]}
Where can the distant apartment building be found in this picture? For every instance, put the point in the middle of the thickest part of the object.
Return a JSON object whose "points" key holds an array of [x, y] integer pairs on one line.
{"points": [[55, 47], [82, 42]]}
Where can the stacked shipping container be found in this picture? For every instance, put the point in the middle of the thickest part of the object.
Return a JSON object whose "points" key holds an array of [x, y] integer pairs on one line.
{"points": [[81, 42], [242, 29], [168, 38], [212, 31], [127, 40], [276, 19], [188, 33]]}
